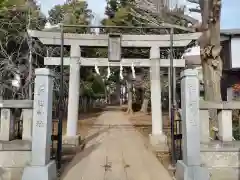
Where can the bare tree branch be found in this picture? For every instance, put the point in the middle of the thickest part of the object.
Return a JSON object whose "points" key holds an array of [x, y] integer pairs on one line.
{"points": [[195, 10], [185, 17], [194, 1]]}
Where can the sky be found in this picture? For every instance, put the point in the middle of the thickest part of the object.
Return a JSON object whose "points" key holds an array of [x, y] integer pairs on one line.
{"points": [[230, 11]]}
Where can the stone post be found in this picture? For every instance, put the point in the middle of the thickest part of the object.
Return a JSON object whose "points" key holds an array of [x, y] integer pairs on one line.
{"points": [[73, 97], [190, 166], [41, 168], [157, 137], [7, 125], [204, 126], [27, 118], [225, 125], [230, 95], [225, 120]]}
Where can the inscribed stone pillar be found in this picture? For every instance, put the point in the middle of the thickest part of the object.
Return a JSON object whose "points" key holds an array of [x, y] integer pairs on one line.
{"points": [[190, 166], [190, 117], [42, 117], [73, 96], [40, 167], [7, 125], [157, 125]]}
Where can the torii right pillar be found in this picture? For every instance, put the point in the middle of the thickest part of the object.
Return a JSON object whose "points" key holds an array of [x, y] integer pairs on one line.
{"points": [[158, 139]]}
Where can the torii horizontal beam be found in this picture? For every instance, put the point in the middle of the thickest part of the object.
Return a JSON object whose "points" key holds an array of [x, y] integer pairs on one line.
{"points": [[104, 62], [101, 40]]}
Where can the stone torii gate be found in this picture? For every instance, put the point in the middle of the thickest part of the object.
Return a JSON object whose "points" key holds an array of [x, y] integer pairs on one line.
{"points": [[75, 41]]}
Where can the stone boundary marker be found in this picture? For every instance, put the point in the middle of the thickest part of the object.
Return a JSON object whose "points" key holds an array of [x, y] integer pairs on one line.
{"points": [[41, 167], [190, 167]]}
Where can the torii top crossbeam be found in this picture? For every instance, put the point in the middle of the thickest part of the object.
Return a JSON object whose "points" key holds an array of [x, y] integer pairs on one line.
{"points": [[101, 40]]}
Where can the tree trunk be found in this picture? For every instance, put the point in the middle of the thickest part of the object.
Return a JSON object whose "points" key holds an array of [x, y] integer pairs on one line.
{"points": [[81, 104], [85, 104], [118, 93], [130, 96], [210, 50], [144, 108], [210, 53], [106, 94], [147, 92], [147, 96]]}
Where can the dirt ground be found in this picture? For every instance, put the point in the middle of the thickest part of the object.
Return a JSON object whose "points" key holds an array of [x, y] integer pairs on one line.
{"points": [[85, 122]]}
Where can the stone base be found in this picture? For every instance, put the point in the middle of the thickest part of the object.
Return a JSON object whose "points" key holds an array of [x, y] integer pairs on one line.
{"points": [[224, 173], [219, 154], [14, 155], [72, 140], [184, 172], [159, 142], [11, 173], [48, 172]]}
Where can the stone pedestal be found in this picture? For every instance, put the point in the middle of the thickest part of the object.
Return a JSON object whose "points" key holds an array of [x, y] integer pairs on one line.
{"points": [[7, 125], [27, 117], [73, 96], [190, 167], [47, 172], [185, 172], [225, 125], [41, 168], [72, 140], [159, 142]]}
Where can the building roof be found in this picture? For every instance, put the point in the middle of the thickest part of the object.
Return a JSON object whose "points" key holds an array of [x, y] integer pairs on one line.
{"points": [[230, 32]]}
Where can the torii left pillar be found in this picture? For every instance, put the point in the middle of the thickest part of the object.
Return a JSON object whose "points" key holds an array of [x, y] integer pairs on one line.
{"points": [[158, 139], [72, 137]]}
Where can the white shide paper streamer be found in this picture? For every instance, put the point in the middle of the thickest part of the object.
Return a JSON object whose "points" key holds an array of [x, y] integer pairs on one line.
{"points": [[133, 71], [121, 72], [108, 71], [97, 69]]}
